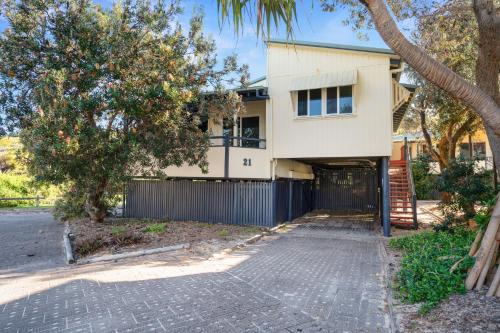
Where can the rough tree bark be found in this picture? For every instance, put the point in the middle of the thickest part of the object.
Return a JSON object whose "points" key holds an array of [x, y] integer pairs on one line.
{"points": [[488, 63], [487, 69], [94, 205]]}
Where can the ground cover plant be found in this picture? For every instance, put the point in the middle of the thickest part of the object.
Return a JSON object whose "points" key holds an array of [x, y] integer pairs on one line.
{"points": [[429, 271], [156, 228]]}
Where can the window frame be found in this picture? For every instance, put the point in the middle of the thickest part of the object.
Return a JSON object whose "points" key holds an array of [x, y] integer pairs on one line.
{"points": [[324, 103]]}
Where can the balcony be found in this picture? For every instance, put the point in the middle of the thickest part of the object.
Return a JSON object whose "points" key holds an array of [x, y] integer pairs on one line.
{"points": [[230, 157]]}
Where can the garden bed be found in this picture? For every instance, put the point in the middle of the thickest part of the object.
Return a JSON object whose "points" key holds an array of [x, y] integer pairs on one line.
{"points": [[125, 235], [427, 297]]}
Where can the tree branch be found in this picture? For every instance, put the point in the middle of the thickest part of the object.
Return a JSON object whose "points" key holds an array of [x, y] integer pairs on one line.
{"points": [[423, 124], [432, 70]]}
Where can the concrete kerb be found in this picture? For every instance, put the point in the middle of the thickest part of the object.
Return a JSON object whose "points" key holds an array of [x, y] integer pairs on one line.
{"points": [[67, 245], [134, 254], [176, 247]]}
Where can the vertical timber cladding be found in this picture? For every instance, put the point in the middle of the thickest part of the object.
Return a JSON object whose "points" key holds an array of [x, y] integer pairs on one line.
{"points": [[347, 189], [242, 203]]}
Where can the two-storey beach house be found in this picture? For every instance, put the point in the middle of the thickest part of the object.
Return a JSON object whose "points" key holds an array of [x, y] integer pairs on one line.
{"points": [[316, 134]]}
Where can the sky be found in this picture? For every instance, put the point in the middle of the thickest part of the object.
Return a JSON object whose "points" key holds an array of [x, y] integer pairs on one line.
{"points": [[314, 24]]}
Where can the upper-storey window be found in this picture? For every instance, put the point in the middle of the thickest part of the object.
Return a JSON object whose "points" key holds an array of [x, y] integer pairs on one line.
{"points": [[326, 101], [309, 102]]}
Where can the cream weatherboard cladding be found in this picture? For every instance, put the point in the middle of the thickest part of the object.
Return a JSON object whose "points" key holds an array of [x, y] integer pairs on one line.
{"points": [[365, 133], [292, 141]]}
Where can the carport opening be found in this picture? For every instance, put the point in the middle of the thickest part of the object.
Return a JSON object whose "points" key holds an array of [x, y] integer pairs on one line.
{"points": [[343, 192]]}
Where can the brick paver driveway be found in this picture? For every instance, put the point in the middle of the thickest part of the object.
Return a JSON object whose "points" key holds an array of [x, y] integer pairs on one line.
{"points": [[29, 240], [305, 280]]}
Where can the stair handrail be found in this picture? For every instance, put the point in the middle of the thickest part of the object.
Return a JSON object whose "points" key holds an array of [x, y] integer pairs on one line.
{"points": [[411, 184]]}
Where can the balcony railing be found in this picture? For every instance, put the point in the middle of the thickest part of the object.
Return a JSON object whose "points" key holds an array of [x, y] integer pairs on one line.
{"points": [[237, 141]]}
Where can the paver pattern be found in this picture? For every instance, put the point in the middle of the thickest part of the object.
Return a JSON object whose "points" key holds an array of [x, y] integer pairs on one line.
{"points": [[306, 280], [29, 240]]}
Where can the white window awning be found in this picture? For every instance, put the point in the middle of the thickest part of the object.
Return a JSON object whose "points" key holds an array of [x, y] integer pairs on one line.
{"points": [[335, 79]]}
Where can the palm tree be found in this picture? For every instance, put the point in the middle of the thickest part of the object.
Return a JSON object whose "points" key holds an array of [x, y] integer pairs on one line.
{"points": [[483, 97]]}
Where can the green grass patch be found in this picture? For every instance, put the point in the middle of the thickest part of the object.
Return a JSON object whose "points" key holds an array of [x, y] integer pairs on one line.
{"points": [[252, 230], [224, 233], [118, 230], [157, 228], [425, 267]]}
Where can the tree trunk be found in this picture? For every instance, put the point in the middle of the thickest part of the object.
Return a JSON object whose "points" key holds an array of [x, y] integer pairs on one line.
{"points": [[95, 205], [434, 154], [488, 238], [432, 70]]}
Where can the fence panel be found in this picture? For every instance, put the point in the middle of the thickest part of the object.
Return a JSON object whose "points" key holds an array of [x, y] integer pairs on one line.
{"points": [[242, 203], [350, 189]]}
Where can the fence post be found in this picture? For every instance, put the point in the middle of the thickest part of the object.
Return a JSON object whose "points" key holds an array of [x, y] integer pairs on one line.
{"points": [[386, 218], [290, 199], [37, 201], [226, 155]]}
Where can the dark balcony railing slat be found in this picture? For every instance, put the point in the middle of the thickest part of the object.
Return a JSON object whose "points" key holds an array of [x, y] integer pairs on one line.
{"points": [[237, 141]]}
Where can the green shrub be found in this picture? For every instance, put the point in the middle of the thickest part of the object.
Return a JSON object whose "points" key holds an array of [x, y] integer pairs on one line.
{"points": [[157, 228], [425, 183], [22, 186], [425, 267], [70, 206], [465, 186]]}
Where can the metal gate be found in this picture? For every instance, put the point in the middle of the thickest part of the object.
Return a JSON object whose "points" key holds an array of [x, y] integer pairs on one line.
{"points": [[348, 189]]}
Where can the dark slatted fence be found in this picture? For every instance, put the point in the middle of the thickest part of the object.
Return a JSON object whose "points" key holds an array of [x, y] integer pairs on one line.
{"points": [[258, 203], [242, 203], [349, 189]]}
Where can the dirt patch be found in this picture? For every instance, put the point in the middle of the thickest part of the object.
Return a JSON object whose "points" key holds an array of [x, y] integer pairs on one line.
{"points": [[472, 312], [340, 220], [124, 235]]}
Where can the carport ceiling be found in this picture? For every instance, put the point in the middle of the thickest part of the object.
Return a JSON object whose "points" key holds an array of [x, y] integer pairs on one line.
{"points": [[370, 162]]}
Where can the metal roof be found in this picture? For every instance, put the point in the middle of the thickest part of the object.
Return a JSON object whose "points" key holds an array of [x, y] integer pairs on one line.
{"points": [[411, 137], [333, 46]]}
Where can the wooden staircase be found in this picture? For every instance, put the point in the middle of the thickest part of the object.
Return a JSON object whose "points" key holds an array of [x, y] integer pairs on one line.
{"points": [[402, 195]]}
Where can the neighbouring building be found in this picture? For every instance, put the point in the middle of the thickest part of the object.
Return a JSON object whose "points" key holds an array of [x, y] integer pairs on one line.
{"points": [[317, 134], [481, 150]]}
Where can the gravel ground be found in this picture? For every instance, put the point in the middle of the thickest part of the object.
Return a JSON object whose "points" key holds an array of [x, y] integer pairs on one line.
{"points": [[472, 312]]}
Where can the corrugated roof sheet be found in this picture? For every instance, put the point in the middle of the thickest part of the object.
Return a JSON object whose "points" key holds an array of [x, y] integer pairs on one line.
{"points": [[333, 46]]}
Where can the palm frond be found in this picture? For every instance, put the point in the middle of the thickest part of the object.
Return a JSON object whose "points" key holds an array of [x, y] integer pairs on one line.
{"points": [[265, 14]]}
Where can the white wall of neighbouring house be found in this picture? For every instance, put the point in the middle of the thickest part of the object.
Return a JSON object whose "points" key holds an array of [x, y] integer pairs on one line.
{"points": [[365, 133]]}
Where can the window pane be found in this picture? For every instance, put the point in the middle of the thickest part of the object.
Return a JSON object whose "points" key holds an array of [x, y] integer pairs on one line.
{"points": [[302, 103], [464, 150], [479, 149], [345, 104], [250, 129], [315, 102], [331, 100]]}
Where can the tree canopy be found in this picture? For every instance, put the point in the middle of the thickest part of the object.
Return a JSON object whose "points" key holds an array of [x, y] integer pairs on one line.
{"points": [[451, 37], [101, 93]]}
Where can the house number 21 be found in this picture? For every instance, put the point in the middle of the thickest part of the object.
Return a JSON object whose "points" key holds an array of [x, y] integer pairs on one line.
{"points": [[247, 162]]}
